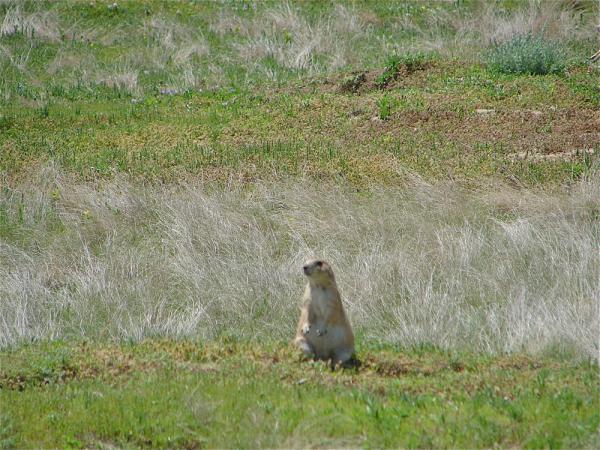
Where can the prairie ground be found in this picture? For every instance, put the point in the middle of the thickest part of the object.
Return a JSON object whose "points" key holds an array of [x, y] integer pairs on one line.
{"points": [[166, 167], [192, 394]]}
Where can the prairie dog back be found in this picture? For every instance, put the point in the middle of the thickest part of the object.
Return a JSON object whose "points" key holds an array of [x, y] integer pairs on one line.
{"points": [[323, 331]]}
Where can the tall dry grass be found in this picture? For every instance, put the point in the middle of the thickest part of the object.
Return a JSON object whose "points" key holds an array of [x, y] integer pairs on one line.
{"points": [[41, 25], [287, 36], [494, 270], [276, 41], [465, 33]]}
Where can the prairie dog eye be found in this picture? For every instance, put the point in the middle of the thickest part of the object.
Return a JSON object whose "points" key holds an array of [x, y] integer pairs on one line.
{"points": [[319, 263]]}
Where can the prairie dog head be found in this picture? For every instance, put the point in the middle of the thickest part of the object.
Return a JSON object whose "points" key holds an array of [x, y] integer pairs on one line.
{"points": [[319, 272]]}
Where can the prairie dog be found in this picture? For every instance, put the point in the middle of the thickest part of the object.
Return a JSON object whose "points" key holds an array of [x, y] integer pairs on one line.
{"points": [[323, 329]]}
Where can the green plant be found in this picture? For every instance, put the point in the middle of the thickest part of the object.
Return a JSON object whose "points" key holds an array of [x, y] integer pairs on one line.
{"points": [[395, 63], [527, 54], [384, 106], [44, 111]]}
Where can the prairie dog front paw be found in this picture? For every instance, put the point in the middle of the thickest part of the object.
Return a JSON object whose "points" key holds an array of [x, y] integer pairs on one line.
{"points": [[305, 329]]}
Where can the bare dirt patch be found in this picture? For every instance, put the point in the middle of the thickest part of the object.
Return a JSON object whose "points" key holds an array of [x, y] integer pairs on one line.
{"points": [[566, 133]]}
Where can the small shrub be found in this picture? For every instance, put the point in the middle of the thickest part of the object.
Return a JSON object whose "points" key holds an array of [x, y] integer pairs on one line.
{"points": [[395, 63], [385, 106], [527, 54]]}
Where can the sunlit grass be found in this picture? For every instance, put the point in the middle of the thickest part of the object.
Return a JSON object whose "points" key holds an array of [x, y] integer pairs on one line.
{"points": [[189, 394], [492, 270], [166, 168]]}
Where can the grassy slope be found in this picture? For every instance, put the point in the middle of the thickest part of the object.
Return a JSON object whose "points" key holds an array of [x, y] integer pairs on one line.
{"points": [[433, 129], [190, 394], [93, 101], [88, 97]]}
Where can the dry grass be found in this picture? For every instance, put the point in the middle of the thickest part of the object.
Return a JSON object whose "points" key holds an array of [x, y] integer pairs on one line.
{"points": [[554, 18], [124, 78], [294, 42], [287, 36], [275, 41], [172, 42], [496, 270], [40, 24], [18, 59], [454, 32]]}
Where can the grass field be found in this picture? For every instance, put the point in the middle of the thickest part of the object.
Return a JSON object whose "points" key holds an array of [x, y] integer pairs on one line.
{"points": [[166, 167], [191, 394], [165, 90]]}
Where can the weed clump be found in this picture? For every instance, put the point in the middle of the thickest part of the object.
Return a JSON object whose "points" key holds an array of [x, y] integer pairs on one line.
{"points": [[527, 54], [384, 106], [396, 64]]}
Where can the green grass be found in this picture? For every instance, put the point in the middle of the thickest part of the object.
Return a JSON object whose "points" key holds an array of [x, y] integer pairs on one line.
{"points": [[226, 394], [394, 64], [140, 142], [257, 91], [431, 127]]}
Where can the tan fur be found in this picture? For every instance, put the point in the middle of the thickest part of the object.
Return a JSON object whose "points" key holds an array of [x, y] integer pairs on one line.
{"points": [[323, 331]]}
